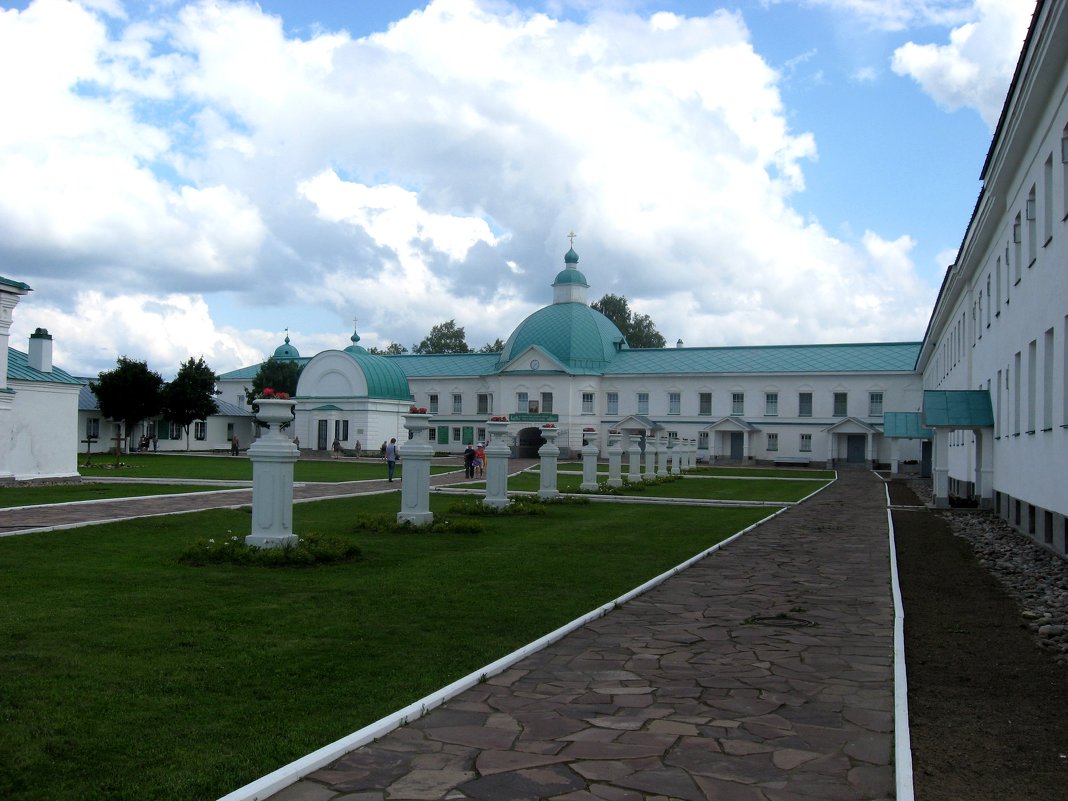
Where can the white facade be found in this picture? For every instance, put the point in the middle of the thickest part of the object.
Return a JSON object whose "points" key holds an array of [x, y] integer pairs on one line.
{"points": [[1001, 320]]}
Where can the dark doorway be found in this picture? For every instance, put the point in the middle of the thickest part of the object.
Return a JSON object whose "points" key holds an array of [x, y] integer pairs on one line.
{"points": [[527, 443], [855, 444], [737, 446], [321, 440]]}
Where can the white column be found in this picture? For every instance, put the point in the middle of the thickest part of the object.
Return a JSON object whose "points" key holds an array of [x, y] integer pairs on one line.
{"points": [[650, 458], [662, 457], [589, 461], [497, 452], [415, 488], [634, 460], [549, 454], [746, 437], [272, 457], [674, 453], [615, 459], [941, 468], [984, 467], [895, 457]]}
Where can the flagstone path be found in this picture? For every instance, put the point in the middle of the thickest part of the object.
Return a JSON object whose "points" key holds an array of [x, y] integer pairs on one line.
{"points": [[762, 673]]}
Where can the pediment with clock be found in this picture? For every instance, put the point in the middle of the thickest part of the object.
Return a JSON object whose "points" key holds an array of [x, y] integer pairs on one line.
{"points": [[533, 360]]}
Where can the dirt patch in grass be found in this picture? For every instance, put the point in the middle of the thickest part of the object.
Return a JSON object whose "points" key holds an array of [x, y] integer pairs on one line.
{"points": [[988, 708]]}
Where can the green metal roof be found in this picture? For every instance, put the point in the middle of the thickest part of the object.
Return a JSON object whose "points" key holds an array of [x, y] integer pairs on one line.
{"points": [[847, 358], [15, 284], [428, 365], [248, 373], [385, 378], [905, 425], [966, 408], [581, 338], [18, 369], [286, 351], [570, 276]]}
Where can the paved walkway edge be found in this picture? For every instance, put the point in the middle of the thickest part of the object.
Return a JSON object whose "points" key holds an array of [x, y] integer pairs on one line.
{"points": [[902, 738], [287, 775]]}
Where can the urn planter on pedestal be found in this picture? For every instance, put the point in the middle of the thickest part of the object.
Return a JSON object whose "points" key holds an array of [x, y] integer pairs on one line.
{"points": [[549, 454], [272, 455], [497, 452], [416, 454]]}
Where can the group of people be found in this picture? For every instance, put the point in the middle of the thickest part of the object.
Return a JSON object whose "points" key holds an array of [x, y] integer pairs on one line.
{"points": [[146, 441], [474, 459]]}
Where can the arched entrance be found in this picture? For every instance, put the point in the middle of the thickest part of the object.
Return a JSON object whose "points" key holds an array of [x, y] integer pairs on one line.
{"points": [[527, 442]]}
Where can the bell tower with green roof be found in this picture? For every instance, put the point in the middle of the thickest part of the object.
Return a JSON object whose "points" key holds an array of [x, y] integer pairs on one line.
{"points": [[570, 285]]}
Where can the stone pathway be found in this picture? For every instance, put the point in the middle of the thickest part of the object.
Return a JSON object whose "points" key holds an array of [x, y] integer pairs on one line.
{"points": [[711, 686]]}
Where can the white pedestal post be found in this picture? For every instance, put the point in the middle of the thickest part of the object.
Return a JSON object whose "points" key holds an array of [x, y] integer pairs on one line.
{"points": [[497, 453], [634, 460], [674, 454], [548, 453], [650, 458], [415, 488], [589, 461], [615, 460], [662, 450], [272, 457]]}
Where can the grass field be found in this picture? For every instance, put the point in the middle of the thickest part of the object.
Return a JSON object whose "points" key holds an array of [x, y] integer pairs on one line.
{"points": [[724, 472], [771, 490], [124, 675], [65, 493], [238, 468]]}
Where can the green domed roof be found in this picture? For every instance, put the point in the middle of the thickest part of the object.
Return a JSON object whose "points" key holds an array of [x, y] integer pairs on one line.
{"points": [[385, 379], [286, 351], [581, 338], [570, 276], [355, 347], [571, 257]]}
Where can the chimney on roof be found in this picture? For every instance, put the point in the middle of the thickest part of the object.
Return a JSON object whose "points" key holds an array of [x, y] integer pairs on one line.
{"points": [[678, 344], [40, 353]]}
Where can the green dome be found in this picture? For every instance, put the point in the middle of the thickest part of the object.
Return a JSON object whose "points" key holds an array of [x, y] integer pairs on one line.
{"points": [[571, 257], [384, 377], [570, 276], [286, 351], [355, 347], [581, 338]]}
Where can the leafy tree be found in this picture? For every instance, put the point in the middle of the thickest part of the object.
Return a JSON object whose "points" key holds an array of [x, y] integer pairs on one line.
{"points": [[129, 393], [190, 396], [443, 338], [637, 328], [281, 375], [492, 347], [392, 349]]}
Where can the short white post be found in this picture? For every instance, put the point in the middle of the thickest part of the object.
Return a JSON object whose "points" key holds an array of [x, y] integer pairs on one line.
{"points": [[634, 459], [650, 458], [272, 457], [548, 453], [615, 460], [497, 453], [415, 488], [589, 461], [675, 452], [662, 449]]}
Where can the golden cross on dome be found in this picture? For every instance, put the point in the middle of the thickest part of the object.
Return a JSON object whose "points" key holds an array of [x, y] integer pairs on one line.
{"points": [[571, 236]]}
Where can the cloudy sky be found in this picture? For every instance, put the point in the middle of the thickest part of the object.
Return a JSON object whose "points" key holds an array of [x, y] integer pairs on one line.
{"points": [[193, 178]]}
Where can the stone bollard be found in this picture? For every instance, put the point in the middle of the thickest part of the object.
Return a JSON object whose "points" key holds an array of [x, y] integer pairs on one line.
{"points": [[634, 460], [416, 454], [272, 457], [548, 453], [497, 452], [615, 460], [589, 462]]}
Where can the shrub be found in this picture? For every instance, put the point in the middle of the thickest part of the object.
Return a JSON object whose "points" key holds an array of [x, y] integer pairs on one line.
{"points": [[310, 549]]}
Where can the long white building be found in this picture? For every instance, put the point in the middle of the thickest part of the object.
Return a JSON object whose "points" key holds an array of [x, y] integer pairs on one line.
{"points": [[994, 358]]}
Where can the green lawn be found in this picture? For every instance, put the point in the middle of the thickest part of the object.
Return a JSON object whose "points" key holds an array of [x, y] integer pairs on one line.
{"points": [[124, 675], [237, 468], [725, 472], [754, 489], [86, 491]]}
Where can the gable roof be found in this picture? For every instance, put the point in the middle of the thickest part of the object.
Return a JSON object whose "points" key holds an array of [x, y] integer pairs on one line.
{"points": [[844, 358], [18, 369]]}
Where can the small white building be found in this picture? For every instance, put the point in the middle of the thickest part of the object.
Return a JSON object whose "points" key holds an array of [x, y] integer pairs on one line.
{"points": [[994, 357], [38, 403]]}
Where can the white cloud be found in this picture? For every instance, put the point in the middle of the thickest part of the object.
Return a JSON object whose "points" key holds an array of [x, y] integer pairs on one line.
{"points": [[973, 69], [426, 172]]}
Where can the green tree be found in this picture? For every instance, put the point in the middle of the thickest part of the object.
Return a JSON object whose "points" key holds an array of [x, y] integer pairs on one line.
{"points": [[281, 375], [637, 328], [129, 393], [443, 338], [492, 347], [392, 349], [190, 396]]}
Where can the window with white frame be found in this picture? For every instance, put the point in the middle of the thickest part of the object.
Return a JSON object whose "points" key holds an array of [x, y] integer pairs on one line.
{"points": [[521, 402], [875, 404], [611, 403], [480, 434], [702, 440], [457, 403], [433, 433], [771, 404], [92, 428], [674, 403], [587, 403], [176, 431], [455, 433], [806, 443], [737, 404], [200, 430], [643, 403], [841, 404], [704, 403], [485, 403], [432, 404], [773, 442], [547, 402], [804, 404], [673, 435]]}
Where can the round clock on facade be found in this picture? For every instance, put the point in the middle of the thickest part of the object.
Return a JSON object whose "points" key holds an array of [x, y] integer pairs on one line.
{"points": [[534, 364]]}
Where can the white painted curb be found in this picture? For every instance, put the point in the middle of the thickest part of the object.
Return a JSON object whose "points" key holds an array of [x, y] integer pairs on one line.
{"points": [[287, 775], [902, 737]]}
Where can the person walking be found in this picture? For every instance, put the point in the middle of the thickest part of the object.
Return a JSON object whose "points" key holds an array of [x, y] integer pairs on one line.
{"points": [[358, 449], [392, 457], [336, 448], [235, 445], [469, 461]]}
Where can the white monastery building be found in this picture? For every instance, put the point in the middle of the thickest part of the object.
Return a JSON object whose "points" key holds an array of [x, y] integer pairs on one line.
{"points": [[994, 359]]}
